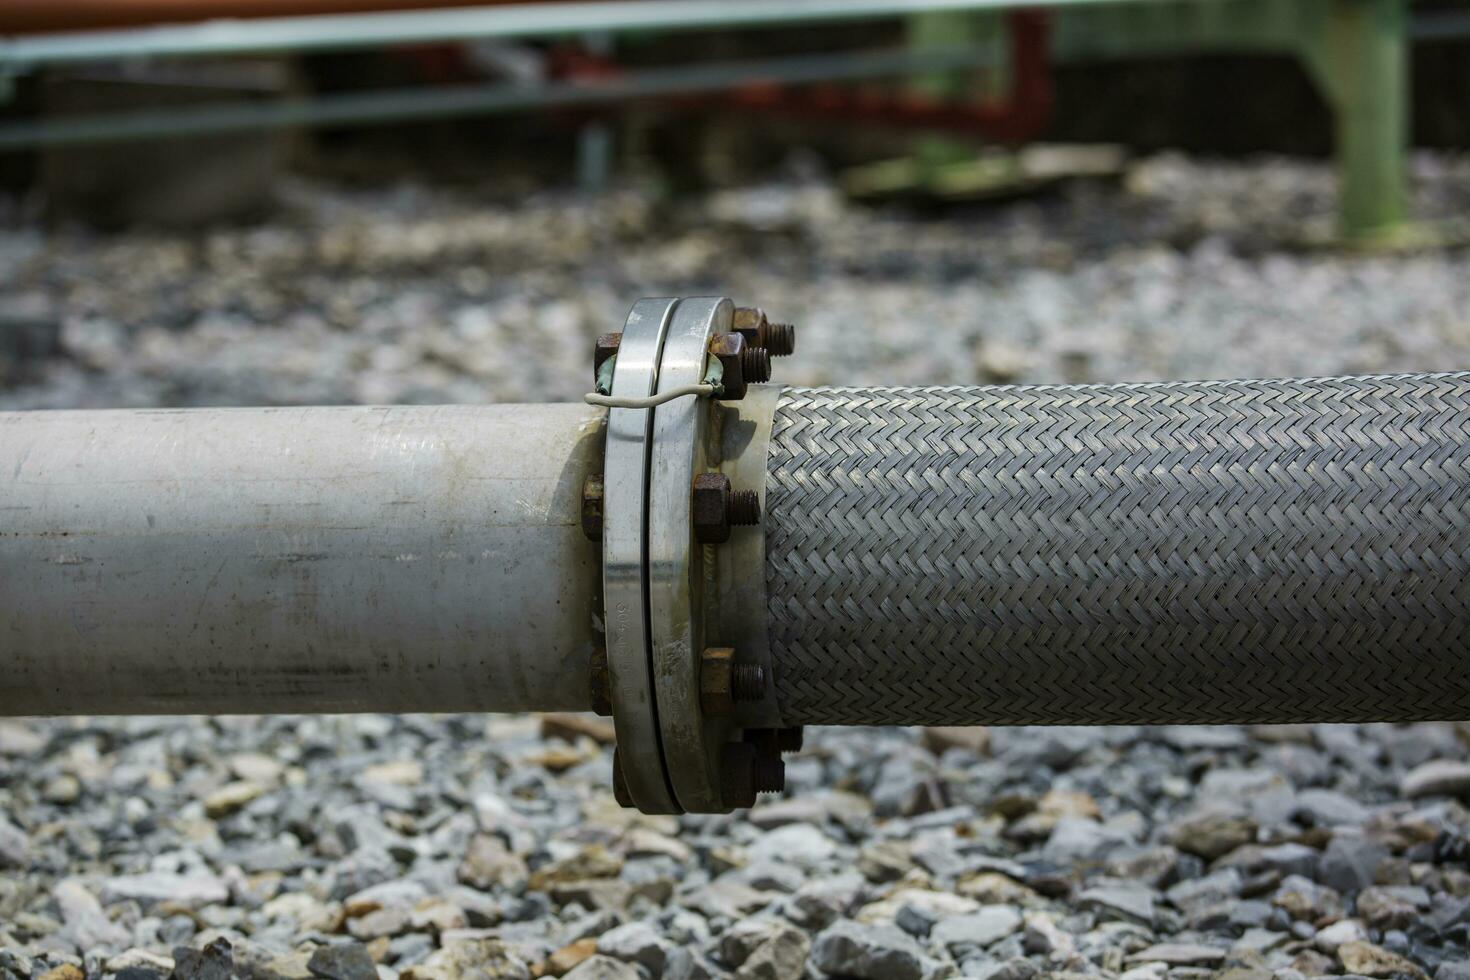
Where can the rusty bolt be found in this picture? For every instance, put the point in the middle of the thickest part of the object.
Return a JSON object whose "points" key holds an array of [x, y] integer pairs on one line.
{"points": [[620, 783], [769, 774], [723, 682], [747, 682], [737, 775], [592, 507], [601, 683], [751, 323], [790, 739], [755, 365], [745, 508], [710, 508], [729, 350], [607, 346], [715, 508], [715, 668]]}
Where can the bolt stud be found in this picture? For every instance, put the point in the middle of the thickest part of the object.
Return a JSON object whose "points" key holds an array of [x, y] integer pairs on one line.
{"points": [[769, 774], [747, 682], [755, 365], [744, 508]]}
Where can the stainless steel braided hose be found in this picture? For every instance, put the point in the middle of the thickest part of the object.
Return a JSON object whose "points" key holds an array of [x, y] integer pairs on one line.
{"points": [[1241, 551]]}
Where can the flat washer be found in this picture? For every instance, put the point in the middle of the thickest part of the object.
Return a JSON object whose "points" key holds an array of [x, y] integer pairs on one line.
{"points": [[678, 575], [624, 557]]}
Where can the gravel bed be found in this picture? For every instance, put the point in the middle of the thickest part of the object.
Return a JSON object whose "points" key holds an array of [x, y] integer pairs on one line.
{"points": [[436, 847]]}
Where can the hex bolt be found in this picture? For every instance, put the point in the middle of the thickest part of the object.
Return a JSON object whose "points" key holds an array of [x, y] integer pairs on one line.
{"points": [[592, 496], [790, 739], [769, 774], [737, 775], [755, 365], [780, 339], [744, 509], [716, 680], [747, 682], [729, 349], [714, 508], [751, 323]]}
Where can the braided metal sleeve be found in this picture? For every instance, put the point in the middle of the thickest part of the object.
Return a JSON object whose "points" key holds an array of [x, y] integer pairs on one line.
{"points": [[1241, 551]]}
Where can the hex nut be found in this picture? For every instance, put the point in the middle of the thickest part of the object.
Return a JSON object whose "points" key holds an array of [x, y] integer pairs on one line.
{"points": [[607, 346], [737, 775], [592, 498], [729, 349], [710, 508], [716, 678]]}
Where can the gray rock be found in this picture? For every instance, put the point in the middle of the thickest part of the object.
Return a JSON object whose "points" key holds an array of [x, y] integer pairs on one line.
{"points": [[978, 929], [1328, 808], [1391, 907], [189, 890], [820, 902], [726, 898], [1211, 832], [1440, 777], [83, 921], [685, 964], [1351, 862], [781, 957], [602, 968], [636, 942], [1453, 970], [15, 846], [867, 952], [214, 962], [1179, 954], [1213, 889], [1121, 902], [342, 961], [1329, 938], [801, 845]]}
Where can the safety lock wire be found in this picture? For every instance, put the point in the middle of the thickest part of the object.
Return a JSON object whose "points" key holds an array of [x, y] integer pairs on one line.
{"points": [[710, 387]]}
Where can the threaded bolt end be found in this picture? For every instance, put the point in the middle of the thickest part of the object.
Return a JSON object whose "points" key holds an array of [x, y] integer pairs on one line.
{"points": [[780, 339], [755, 365], [769, 775], [744, 508], [790, 739], [747, 682]]}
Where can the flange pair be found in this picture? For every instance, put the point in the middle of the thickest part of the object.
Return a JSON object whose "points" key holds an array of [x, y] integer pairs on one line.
{"points": [[687, 665]]}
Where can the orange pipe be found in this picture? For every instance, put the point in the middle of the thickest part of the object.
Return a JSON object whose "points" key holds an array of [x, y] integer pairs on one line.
{"points": [[37, 16]]}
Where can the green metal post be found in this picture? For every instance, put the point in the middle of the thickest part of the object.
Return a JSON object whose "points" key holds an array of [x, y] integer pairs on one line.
{"points": [[1362, 65], [946, 30]]}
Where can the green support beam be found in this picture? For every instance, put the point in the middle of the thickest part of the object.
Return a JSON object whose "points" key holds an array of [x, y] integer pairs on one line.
{"points": [[1361, 63]]}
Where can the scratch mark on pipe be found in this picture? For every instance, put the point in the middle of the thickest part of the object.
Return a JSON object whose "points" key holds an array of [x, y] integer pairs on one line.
{"points": [[205, 597]]}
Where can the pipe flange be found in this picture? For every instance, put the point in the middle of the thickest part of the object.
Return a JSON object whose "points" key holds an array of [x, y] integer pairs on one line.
{"points": [[635, 374], [678, 573]]}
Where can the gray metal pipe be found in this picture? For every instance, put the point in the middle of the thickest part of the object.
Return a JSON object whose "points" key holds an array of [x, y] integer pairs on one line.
{"points": [[296, 559]]}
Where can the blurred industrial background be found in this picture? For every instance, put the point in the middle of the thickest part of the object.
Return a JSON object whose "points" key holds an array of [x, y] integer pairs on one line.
{"points": [[261, 202]]}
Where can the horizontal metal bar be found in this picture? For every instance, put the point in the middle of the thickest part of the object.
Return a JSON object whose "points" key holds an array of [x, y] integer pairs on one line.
{"points": [[397, 105], [340, 31], [1440, 25]]}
